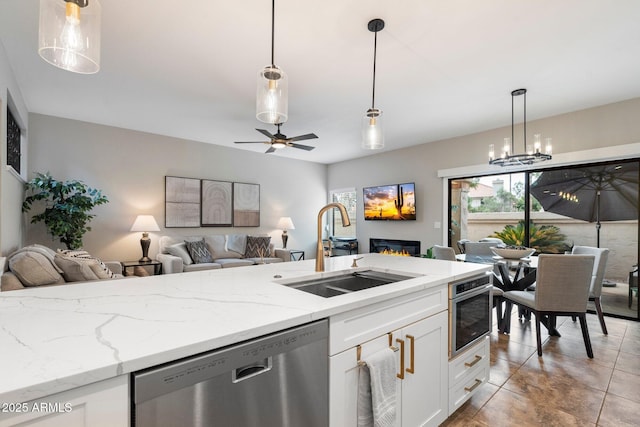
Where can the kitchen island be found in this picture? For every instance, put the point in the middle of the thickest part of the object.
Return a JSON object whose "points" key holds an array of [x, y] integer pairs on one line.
{"points": [[55, 339]]}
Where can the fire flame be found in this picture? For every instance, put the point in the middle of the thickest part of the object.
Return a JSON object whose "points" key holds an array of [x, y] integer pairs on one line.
{"points": [[395, 253]]}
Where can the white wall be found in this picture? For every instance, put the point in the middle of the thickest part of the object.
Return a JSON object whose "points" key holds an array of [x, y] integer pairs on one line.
{"points": [[130, 166], [609, 125], [11, 186]]}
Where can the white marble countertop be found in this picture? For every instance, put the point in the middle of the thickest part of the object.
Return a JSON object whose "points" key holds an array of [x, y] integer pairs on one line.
{"points": [[57, 338]]}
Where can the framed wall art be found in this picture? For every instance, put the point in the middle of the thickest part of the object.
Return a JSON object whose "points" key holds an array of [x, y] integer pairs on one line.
{"points": [[182, 202], [217, 203], [246, 205]]}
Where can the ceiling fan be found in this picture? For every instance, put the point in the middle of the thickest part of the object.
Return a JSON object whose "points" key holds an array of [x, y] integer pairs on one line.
{"points": [[280, 141]]}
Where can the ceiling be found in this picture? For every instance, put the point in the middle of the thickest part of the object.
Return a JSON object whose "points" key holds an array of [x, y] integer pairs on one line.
{"points": [[444, 68]]}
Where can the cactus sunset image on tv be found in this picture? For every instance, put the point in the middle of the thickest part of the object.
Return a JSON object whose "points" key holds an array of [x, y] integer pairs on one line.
{"points": [[395, 202]]}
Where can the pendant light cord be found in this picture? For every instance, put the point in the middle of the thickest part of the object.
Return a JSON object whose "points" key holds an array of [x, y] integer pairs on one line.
{"points": [[375, 47], [273, 25]]}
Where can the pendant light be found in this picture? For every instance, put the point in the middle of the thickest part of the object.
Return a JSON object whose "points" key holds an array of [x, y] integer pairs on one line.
{"points": [[272, 104], [69, 34], [532, 154], [372, 135]]}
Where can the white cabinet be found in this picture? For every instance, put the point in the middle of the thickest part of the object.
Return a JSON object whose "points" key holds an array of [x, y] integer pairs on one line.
{"points": [[467, 372], [105, 403], [417, 325]]}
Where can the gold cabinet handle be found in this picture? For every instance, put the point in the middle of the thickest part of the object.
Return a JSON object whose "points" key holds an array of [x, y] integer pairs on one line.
{"points": [[401, 374], [476, 360], [473, 387], [412, 361]]}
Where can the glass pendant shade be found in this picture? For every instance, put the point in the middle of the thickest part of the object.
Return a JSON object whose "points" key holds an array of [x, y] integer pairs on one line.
{"points": [[272, 97], [69, 34], [372, 131]]}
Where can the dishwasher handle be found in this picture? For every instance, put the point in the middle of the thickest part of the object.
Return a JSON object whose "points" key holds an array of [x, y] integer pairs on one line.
{"points": [[252, 370]]}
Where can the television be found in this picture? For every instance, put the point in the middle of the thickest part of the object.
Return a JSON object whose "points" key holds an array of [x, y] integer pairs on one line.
{"points": [[396, 202]]}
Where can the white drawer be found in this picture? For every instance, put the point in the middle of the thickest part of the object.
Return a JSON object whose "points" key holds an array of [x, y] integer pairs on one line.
{"points": [[465, 363], [460, 393], [357, 326]]}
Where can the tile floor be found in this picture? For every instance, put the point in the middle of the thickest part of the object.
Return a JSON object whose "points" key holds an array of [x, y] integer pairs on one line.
{"points": [[563, 387]]}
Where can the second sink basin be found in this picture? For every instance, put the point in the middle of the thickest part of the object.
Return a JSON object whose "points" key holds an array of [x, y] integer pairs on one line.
{"points": [[351, 282]]}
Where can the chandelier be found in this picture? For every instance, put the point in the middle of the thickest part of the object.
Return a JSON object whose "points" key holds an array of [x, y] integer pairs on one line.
{"points": [[532, 153]]}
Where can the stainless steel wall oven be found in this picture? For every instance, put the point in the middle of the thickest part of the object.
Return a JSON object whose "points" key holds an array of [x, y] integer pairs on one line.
{"points": [[469, 312]]}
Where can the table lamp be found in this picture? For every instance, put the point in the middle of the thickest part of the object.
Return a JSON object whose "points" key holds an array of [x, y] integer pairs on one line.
{"points": [[285, 224], [145, 223]]}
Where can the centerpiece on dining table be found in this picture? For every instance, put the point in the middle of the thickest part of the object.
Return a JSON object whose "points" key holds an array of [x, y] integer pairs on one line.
{"points": [[512, 251]]}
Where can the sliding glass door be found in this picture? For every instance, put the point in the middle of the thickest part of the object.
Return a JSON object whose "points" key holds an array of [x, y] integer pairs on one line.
{"points": [[553, 210]]}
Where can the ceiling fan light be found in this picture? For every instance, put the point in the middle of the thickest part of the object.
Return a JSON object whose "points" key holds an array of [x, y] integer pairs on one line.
{"points": [[272, 105], [69, 34], [278, 144], [372, 130]]}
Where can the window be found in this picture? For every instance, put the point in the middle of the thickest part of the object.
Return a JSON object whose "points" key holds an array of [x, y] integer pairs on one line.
{"points": [[347, 197], [14, 139]]}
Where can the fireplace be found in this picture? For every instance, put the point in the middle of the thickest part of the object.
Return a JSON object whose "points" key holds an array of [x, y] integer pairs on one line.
{"points": [[411, 247]]}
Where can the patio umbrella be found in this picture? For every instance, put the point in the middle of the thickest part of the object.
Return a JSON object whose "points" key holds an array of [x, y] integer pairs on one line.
{"points": [[593, 194]]}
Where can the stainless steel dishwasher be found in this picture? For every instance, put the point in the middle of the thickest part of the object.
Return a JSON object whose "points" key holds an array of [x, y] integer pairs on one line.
{"points": [[277, 380]]}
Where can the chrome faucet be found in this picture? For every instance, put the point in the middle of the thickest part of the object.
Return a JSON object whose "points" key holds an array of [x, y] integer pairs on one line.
{"points": [[345, 222]]}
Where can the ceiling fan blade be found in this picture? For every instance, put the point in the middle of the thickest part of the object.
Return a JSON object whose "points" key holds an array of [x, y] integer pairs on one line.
{"points": [[252, 142], [266, 133], [270, 150], [302, 137], [302, 147]]}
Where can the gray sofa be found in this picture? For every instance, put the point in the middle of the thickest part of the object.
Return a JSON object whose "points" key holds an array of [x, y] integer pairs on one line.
{"points": [[225, 250], [38, 265]]}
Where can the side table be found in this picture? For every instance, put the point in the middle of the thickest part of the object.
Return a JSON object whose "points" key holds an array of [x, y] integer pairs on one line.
{"points": [[296, 254], [157, 267]]}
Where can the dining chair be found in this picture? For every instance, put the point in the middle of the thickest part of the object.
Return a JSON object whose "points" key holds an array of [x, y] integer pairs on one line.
{"points": [[444, 252], [597, 276], [479, 248], [562, 290], [460, 243]]}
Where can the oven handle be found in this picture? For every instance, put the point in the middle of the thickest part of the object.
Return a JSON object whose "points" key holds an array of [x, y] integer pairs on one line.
{"points": [[470, 294]]}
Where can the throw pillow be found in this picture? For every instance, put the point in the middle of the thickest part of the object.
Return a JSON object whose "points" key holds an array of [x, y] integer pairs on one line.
{"points": [[76, 269], [199, 252], [258, 247], [180, 250], [34, 269], [97, 266]]}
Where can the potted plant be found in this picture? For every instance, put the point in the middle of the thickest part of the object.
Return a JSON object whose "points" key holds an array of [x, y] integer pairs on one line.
{"points": [[67, 206]]}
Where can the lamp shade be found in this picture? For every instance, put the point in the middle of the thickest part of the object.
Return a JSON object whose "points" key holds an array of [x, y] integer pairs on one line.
{"points": [[272, 97], [69, 34], [285, 223], [145, 223], [372, 132]]}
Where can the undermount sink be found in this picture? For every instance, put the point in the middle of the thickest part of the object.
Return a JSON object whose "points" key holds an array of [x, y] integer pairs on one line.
{"points": [[350, 282]]}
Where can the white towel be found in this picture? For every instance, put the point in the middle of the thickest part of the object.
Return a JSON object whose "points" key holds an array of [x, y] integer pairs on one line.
{"points": [[377, 390]]}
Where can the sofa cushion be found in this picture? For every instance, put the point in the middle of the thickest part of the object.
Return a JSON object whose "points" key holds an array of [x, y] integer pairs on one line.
{"points": [[34, 269], [99, 268], [234, 262], [267, 260], [76, 269], [202, 266], [237, 243], [258, 247], [47, 252], [217, 244], [180, 250], [198, 251]]}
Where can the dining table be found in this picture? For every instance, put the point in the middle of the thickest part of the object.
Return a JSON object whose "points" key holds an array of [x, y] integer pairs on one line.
{"points": [[512, 275]]}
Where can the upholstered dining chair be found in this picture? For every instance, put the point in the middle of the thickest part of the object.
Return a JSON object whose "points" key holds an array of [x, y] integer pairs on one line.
{"points": [[479, 248], [597, 276], [444, 252], [562, 289]]}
